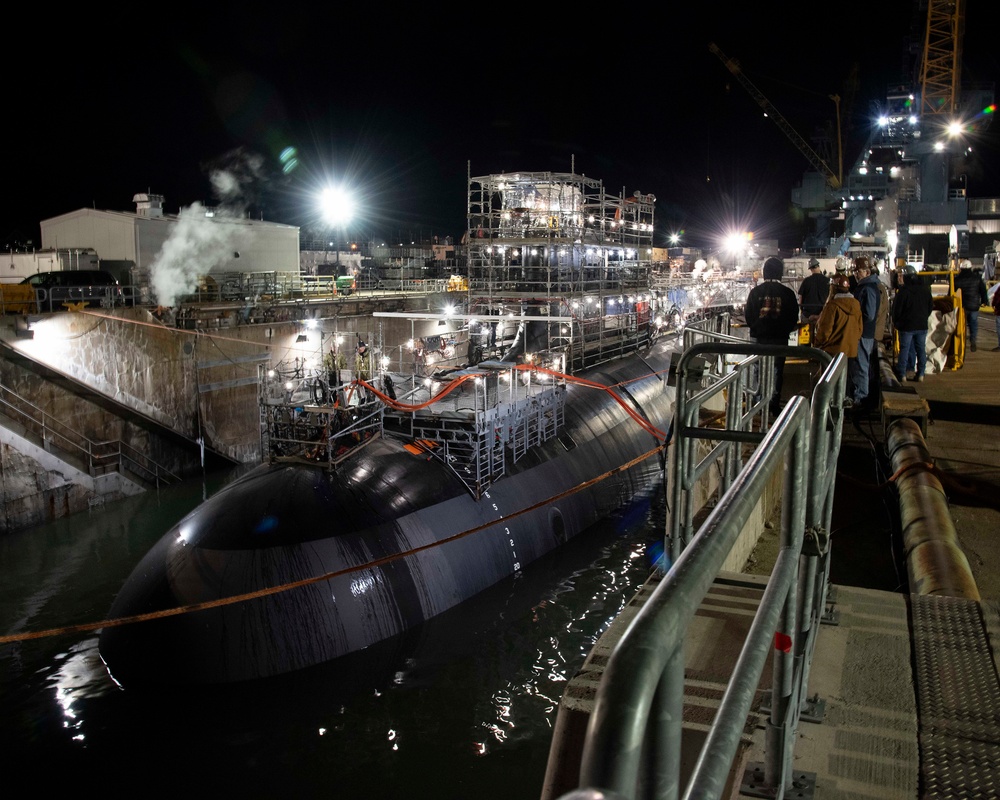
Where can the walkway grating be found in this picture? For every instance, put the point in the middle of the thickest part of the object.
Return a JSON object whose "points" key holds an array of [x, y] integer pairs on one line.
{"points": [[958, 699]]}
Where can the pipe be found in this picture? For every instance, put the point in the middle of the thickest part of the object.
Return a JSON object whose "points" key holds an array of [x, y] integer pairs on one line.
{"points": [[935, 562]]}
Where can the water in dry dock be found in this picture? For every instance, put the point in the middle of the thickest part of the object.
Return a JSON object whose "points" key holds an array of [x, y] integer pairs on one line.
{"points": [[463, 708]]}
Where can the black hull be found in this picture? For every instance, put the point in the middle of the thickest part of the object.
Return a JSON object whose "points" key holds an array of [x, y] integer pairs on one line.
{"points": [[400, 535]]}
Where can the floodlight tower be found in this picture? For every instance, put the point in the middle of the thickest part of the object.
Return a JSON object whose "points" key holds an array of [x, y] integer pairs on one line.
{"points": [[337, 208]]}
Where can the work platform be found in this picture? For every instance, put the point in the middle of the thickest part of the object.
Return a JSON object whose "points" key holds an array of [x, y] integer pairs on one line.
{"points": [[903, 690]]}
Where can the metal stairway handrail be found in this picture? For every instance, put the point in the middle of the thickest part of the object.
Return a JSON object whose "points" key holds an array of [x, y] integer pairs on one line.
{"points": [[641, 695], [100, 457]]}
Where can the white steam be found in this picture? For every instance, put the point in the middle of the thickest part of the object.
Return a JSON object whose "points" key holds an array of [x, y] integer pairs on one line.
{"points": [[196, 244]]}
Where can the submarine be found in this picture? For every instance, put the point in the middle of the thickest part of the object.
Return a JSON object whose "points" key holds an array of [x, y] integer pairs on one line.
{"points": [[299, 563]]}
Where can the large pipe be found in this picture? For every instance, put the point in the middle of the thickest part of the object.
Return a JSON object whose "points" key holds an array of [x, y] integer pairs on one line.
{"points": [[935, 562]]}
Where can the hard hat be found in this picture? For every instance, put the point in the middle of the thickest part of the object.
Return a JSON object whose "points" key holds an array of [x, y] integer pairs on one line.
{"points": [[862, 262], [842, 282], [813, 263]]}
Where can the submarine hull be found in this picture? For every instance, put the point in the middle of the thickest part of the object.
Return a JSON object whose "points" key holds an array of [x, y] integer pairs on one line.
{"points": [[342, 560]]}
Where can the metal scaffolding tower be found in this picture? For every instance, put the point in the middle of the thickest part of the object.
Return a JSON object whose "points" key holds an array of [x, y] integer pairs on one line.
{"points": [[558, 244]]}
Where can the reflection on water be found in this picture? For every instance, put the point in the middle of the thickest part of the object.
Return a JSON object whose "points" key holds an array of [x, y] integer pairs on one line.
{"points": [[461, 708]]}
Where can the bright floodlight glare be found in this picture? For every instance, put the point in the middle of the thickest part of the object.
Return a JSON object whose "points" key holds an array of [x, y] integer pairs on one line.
{"points": [[954, 128], [337, 206], [735, 242]]}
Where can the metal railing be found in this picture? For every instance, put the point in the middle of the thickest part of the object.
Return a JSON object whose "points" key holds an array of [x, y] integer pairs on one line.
{"points": [[307, 418], [639, 705], [99, 458]]}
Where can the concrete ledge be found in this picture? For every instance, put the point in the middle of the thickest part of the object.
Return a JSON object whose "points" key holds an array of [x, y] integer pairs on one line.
{"points": [[903, 404]]}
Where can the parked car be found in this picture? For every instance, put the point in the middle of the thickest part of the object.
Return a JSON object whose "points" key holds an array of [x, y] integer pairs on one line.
{"points": [[92, 287]]}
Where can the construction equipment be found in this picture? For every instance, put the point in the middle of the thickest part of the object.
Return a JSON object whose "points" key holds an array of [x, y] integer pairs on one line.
{"points": [[833, 179]]}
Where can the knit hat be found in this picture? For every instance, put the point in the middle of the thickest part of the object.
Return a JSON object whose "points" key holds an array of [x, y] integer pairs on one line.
{"points": [[773, 269]]}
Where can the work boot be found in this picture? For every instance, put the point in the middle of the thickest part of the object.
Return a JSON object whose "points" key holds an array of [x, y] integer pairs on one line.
{"points": [[972, 345]]}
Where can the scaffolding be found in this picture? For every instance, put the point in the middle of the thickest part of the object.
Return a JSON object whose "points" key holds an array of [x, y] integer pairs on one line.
{"points": [[557, 244]]}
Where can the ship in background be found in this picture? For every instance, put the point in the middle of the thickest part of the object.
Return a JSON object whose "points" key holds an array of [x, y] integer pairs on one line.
{"points": [[905, 198]]}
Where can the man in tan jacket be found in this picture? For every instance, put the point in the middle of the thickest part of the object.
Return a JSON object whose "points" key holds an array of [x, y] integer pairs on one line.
{"points": [[838, 329]]}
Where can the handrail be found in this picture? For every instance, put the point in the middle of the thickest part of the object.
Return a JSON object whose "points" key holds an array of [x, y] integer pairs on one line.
{"points": [[644, 678], [642, 689], [100, 456]]}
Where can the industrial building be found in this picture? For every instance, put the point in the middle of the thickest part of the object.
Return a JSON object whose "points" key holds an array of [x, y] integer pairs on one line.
{"points": [[196, 241]]}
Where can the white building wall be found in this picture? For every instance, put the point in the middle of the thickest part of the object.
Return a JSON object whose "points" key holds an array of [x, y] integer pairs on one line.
{"points": [[263, 247], [110, 233], [117, 236], [150, 234]]}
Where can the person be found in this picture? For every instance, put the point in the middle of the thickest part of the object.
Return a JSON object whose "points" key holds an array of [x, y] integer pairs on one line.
{"points": [[910, 311], [813, 293], [361, 360], [493, 327], [882, 315], [838, 329], [862, 376], [418, 357], [973, 287], [996, 312], [772, 313]]}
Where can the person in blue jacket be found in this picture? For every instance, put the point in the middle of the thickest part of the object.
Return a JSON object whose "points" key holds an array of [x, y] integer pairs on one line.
{"points": [[864, 378]]}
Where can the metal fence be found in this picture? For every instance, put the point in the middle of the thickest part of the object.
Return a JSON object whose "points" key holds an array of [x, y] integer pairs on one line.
{"points": [[97, 458], [639, 704]]}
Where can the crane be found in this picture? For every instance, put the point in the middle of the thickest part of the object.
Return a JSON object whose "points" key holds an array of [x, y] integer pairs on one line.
{"points": [[940, 69], [833, 179]]}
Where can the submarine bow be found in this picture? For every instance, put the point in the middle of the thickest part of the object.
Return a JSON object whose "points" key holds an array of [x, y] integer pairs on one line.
{"points": [[293, 566]]}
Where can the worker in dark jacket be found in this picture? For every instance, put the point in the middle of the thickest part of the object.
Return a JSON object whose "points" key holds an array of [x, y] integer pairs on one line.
{"points": [[864, 369], [910, 311], [973, 287], [813, 292], [772, 313]]}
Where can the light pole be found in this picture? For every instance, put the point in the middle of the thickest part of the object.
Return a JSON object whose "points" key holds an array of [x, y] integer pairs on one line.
{"points": [[337, 207]]}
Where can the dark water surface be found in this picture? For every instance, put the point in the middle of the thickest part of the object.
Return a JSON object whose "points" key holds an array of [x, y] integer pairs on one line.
{"points": [[461, 708]]}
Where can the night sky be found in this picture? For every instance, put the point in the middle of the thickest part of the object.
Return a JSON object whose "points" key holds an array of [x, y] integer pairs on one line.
{"points": [[397, 105]]}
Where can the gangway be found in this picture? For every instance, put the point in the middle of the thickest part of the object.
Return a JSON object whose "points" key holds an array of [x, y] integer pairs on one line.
{"points": [[632, 746]]}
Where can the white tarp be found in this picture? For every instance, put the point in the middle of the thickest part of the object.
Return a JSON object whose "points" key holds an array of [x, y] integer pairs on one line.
{"points": [[940, 329]]}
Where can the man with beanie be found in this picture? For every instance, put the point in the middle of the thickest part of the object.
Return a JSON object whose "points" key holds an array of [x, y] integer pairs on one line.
{"points": [[973, 287], [772, 313], [910, 311], [813, 292]]}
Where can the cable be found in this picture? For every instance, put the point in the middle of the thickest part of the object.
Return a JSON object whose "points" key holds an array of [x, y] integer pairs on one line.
{"points": [[379, 562]]}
